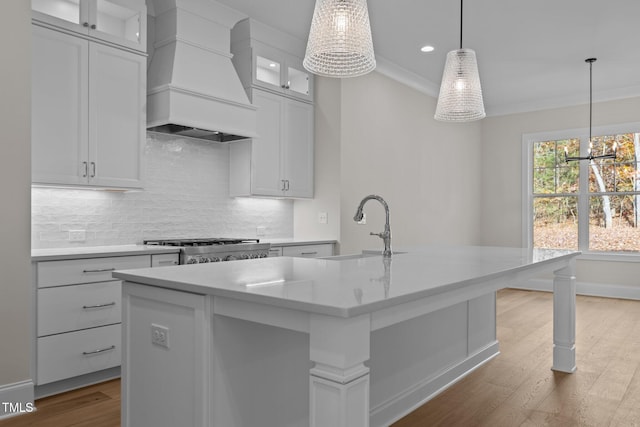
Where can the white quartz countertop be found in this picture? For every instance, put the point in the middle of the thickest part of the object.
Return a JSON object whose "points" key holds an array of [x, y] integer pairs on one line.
{"points": [[347, 287], [55, 254]]}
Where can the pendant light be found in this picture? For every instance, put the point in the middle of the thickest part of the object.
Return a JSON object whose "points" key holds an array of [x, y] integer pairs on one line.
{"points": [[590, 157], [460, 98], [340, 42]]}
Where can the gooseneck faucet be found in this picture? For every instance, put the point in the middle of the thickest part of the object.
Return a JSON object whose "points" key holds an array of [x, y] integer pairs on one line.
{"points": [[386, 234]]}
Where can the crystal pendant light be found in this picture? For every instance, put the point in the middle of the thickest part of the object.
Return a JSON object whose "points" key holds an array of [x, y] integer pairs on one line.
{"points": [[460, 98], [340, 42]]}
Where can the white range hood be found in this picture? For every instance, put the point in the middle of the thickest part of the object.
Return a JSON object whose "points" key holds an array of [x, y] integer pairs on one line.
{"points": [[193, 89]]}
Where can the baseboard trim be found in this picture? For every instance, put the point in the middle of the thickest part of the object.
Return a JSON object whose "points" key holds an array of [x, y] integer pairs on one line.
{"points": [[16, 399], [412, 398], [76, 382], [586, 288]]}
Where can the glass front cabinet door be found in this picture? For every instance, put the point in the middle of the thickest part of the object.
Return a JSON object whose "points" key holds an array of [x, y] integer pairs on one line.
{"points": [[276, 70], [121, 22]]}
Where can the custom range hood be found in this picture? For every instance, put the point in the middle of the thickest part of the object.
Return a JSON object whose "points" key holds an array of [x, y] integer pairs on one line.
{"points": [[193, 89]]}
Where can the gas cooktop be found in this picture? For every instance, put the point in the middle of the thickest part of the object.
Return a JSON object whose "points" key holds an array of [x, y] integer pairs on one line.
{"points": [[214, 249], [199, 242]]}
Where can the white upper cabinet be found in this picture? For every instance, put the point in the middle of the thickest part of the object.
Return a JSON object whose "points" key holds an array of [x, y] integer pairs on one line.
{"points": [[121, 22], [59, 107], [88, 114], [270, 60], [278, 163]]}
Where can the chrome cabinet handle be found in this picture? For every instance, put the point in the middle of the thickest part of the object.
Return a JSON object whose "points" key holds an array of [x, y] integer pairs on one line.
{"points": [[109, 304], [102, 350], [93, 26], [287, 181], [93, 169], [85, 24], [284, 185], [86, 169], [172, 262], [99, 270], [309, 253]]}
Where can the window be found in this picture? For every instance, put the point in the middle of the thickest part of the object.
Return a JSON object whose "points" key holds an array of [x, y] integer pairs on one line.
{"points": [[587, 205]]}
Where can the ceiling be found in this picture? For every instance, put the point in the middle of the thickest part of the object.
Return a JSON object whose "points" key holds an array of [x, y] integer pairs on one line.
{"points": [[530, 53]]}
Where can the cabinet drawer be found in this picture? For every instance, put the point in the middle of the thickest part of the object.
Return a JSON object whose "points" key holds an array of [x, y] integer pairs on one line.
{"points": [[70, 308], [77, 353], [70, 272], [161, 260], [308, 251]]}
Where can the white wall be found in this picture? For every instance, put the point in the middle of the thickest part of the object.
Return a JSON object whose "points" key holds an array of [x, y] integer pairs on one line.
{"points": [[501, 207], [327, 167], [15, 176], [427, 171], [390, 145], [186, 195]]}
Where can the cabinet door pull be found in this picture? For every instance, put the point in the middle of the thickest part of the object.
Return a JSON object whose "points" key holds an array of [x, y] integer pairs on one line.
{"points": [[93, 26], [287, 184], [85, 24], [284, 185], [102, 350], [93, 169], [109, 304], [99, 270], [309, 253], [170, 262], [86, 169]]}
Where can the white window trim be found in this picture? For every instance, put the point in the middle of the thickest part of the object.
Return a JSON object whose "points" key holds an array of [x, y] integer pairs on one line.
{"points": [[528, 139]]}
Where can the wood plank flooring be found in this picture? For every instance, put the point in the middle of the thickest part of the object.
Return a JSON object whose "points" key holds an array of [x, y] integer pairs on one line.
{"points": [[517, 388], [94, 406]]}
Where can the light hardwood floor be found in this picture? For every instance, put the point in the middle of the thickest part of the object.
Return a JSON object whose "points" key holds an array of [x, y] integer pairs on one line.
{"points": [[517, 388]]}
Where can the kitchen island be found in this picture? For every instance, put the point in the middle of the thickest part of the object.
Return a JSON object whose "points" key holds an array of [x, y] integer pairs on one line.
{"points": [[349, 341]]}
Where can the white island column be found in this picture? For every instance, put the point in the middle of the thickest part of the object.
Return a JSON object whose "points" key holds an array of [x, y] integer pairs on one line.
{"points": [[339, 381], [564, 319]]}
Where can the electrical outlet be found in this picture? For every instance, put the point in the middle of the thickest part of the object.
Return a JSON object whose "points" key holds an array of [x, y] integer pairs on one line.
{"points": [[261, 231], [364, 219], [160, 335], [323, 218], [77, 235]]}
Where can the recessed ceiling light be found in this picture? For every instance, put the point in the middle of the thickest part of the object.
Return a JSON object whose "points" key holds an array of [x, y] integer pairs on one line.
{"points": [[272, 64], [427, 48]]}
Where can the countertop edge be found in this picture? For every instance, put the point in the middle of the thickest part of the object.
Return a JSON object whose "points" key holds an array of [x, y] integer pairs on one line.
{"points": [[59, 254], [276, 243]]}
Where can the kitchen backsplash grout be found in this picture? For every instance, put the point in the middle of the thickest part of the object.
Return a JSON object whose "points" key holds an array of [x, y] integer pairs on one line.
{"points": [[186, 195]]}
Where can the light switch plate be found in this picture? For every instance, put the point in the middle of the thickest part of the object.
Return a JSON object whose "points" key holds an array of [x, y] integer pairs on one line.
{"points": [[323, 217]]}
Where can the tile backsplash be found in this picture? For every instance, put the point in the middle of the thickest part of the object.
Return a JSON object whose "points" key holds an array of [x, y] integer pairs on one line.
{"points": [[186, 194]]}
